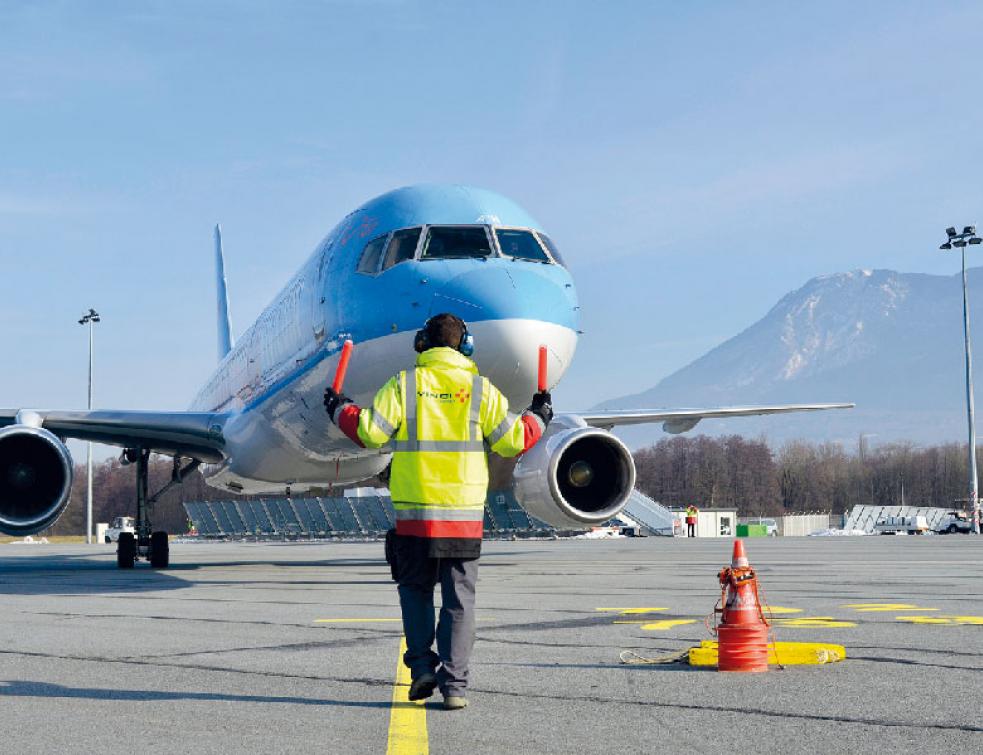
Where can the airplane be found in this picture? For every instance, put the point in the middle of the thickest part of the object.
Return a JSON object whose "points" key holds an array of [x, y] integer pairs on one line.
{"points": [[258, 424]]}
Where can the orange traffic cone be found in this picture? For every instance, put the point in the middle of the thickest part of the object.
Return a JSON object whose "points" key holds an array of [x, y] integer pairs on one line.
{"points": [[743, 632]]}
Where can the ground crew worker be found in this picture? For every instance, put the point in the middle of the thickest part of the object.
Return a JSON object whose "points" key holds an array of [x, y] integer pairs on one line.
{"points": [[691, 513], [442, 417]]}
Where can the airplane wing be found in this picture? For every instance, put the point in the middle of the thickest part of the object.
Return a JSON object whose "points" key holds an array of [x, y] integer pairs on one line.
{"points": [[196, 435], [681, 420]]}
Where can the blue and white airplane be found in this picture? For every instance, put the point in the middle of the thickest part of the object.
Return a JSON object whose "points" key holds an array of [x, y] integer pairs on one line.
{"points": [[258, 424]]}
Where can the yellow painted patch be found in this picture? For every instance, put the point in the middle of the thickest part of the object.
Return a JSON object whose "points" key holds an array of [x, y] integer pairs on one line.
{"points": [[629, 611], [788, 653], [775, 610], [667, 624], [813, 621], [407, 720], [951, 620], [873, 607]]}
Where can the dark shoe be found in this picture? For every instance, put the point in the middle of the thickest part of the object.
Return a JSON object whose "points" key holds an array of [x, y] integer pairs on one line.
{"points": [[423, 686], [455, 702]]}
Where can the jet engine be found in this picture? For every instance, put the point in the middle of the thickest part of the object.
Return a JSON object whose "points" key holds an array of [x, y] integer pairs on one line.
{"points": [[576, 476], [35, 479]]}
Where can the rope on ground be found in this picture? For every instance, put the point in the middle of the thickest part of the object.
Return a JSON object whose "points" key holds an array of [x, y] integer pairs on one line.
{"points": [[631, 658]]}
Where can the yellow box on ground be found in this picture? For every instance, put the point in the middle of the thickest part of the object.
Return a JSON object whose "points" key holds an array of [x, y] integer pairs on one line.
{"points": [[784, 653]]}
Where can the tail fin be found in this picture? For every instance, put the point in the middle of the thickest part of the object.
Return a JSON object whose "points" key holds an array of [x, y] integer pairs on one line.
{"points": [[225, 340]]}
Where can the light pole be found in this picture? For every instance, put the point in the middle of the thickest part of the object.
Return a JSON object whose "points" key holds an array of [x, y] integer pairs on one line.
{"points": [[960, 241], [90, 318]]}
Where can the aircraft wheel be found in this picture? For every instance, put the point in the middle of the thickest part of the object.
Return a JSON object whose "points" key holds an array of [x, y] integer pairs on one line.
{"points": [[160, 552], [126, 550]]}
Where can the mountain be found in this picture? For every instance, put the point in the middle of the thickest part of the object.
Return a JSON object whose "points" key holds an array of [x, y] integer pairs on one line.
{"points": [[890, 342]]}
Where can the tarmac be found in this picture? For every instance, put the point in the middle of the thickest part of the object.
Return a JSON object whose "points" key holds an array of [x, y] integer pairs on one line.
{"points": [[262, 647]]}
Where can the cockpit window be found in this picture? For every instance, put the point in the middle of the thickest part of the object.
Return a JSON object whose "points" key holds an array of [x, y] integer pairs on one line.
{"points": [[452, 241], [521, 245], [554, 252], [369, 261], [402, 247]]}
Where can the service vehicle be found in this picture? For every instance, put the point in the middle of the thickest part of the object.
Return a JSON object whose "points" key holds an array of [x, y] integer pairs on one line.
{"points": [[901, 525], [120, 524], [955, 521]]}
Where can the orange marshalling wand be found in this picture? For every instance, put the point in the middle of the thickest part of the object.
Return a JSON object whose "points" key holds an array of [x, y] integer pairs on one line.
{"points": [[542, 369], [339, 374]]}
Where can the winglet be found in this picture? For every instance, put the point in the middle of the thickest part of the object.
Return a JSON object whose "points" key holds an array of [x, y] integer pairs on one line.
{"points": [[225, 340]]}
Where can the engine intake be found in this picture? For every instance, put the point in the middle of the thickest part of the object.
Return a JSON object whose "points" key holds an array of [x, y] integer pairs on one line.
{"points": [[575, 477], [35, 479]]}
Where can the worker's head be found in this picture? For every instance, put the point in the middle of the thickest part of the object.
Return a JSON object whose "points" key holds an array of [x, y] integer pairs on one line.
{"points": [[447, 330]]}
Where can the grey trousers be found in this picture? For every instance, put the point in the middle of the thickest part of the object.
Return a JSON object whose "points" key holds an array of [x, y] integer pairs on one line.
{"points": [[418, 576]]}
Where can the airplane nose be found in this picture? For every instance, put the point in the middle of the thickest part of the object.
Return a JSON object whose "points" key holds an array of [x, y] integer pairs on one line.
{"points": [[510, 311]]}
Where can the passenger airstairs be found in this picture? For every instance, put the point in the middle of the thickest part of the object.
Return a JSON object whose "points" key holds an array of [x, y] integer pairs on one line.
{"points": [[653, 516], [865, 517]]}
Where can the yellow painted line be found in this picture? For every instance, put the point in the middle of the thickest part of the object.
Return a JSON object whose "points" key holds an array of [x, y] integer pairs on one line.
{"points": [[973, 620], [924, 619], [775, 610], [871, 607], [407, 720], [951, 620], [352, 621], [667, 624], [629, 611], [826, 622]]}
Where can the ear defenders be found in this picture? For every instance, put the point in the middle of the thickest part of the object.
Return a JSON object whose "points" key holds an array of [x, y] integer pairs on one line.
{"points": [[421, 341]]}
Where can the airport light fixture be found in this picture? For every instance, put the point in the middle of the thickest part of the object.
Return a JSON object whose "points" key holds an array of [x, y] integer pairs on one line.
{"points": [[960, 241], [90, 318]]}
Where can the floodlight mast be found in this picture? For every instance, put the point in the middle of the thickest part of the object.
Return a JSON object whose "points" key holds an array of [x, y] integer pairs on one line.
{"points": [[960, 241], [90, 318]]}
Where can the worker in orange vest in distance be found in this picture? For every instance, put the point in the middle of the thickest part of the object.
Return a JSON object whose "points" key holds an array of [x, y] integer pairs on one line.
{"points": [[691, 513]]}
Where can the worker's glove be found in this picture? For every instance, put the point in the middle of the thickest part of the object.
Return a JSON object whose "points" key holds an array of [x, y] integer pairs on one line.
{"points": [[333, 402], [542, 407]]}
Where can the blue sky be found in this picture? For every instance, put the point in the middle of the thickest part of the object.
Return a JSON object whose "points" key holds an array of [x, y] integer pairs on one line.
{"points": [[693, 161]]}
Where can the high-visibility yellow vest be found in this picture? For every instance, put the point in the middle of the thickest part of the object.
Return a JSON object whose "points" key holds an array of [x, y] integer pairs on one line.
{"points": [[442, 417]]}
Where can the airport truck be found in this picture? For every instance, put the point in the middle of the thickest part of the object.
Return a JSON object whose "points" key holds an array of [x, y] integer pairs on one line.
{"points": [[120, 524], [955, 521]]}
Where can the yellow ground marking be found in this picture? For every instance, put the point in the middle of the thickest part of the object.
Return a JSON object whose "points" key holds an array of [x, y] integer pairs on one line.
{"points": [[775, 610], [629, 611], [951, 620], [871, 607], [788, 653], [667, 624], [407, 720], [813, 621], [351, 621]]}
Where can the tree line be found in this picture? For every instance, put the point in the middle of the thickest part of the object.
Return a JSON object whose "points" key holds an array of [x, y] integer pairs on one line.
{"points": [[114, 494], [800, 476], [730, 471]]}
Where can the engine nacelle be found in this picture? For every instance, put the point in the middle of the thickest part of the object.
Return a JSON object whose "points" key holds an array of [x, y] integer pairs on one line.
{"points": [[35, 479], [576, 476]]}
